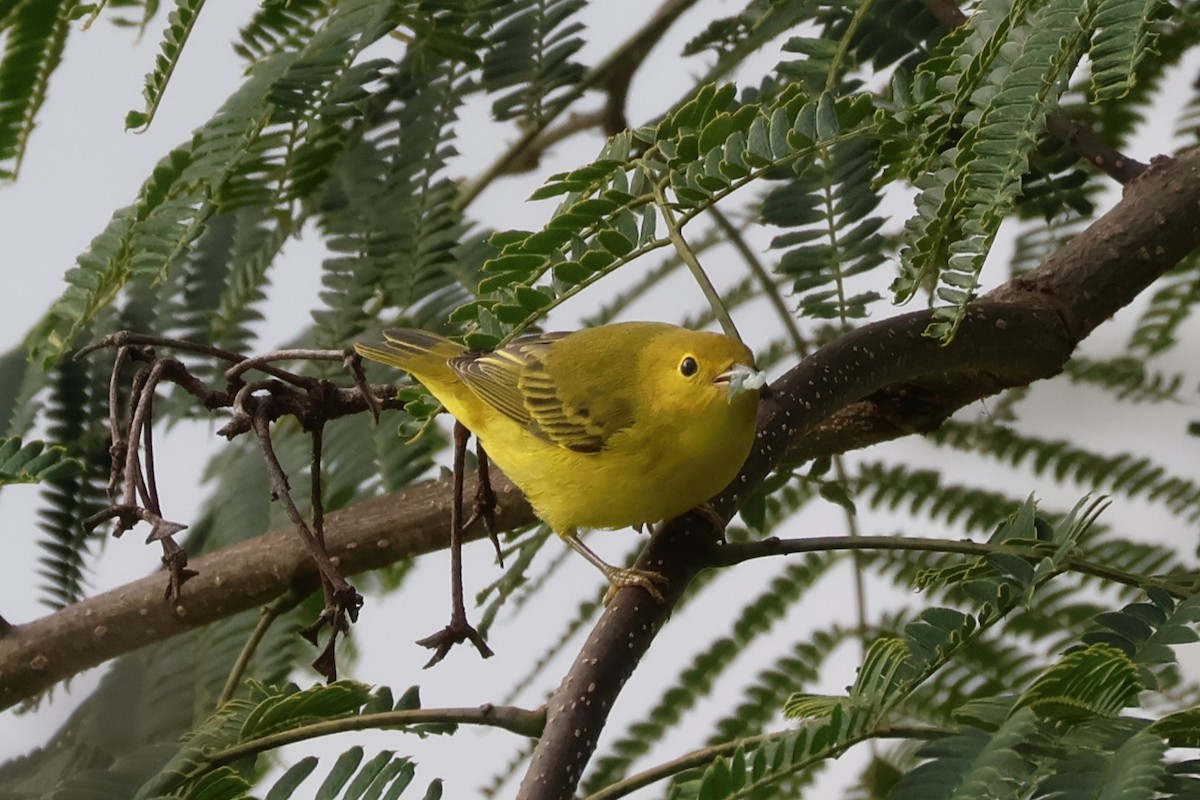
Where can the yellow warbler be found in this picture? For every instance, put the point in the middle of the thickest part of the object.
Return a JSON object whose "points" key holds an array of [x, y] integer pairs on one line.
{"points": [[619, 425]]}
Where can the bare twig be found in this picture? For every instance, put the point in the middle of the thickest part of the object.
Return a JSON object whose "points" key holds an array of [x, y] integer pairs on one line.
{"points": [[342, 599], [459, 629]]}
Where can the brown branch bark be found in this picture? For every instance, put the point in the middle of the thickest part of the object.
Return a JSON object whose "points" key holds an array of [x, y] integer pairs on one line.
{"points": [[878, 382], [38, 654]]}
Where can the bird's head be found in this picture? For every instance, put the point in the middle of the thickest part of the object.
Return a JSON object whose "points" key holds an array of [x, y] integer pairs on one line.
{"points": [[695, 369]]}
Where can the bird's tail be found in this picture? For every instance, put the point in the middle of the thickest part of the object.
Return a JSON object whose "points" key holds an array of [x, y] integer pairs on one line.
{"points": [[413, 350]]}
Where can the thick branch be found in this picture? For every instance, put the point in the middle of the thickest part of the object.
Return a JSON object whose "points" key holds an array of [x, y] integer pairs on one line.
{"points": [[1023, 331], [38, 654]]}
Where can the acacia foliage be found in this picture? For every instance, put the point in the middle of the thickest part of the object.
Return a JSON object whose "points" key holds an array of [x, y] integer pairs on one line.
{"points": [[1014, 679]]}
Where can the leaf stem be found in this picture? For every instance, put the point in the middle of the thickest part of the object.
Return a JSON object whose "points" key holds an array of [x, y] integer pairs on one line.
{"points": [[511, 718], [706, 755], [737, 552], [267, 616], [675, 234]]}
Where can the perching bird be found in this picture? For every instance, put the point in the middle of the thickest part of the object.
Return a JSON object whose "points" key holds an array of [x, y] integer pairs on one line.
{"points": [[608, 427]]}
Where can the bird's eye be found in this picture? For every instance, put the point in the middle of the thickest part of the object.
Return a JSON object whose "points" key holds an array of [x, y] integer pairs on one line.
{"points": [[688, 367]]}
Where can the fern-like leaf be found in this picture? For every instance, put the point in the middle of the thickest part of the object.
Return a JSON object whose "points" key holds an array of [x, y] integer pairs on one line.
{"points": [[1124, 35], [180, 22], [972, 763], [530, 55], [34, 462], [966, 198], [36, 31]]}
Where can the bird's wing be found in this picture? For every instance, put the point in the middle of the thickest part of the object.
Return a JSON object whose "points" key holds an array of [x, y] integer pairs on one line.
{"points": [[516, 382]]}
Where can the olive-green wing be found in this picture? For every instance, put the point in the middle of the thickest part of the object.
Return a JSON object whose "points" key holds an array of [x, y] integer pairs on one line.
{"points": [[568, 411]]}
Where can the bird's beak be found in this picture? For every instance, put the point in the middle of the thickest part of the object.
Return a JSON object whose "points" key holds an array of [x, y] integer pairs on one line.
{"points": [[741, 378]]}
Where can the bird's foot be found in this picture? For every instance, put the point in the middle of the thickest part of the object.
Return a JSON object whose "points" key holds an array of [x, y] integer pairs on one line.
{"points": [[709, 514], [457, 632], [619, 578]]}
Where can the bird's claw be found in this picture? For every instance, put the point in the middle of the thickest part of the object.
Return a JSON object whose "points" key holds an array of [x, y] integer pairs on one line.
{"points": [[457, 632], [619, 578], [709, 514]]}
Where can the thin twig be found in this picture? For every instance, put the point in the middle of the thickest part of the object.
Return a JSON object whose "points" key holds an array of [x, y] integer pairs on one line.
{"points": [[520, 721], [737, 552], [282, 493], [623, 60], [685, 252], [125, 338], [267, 616], [298, 354], [459, 630]]}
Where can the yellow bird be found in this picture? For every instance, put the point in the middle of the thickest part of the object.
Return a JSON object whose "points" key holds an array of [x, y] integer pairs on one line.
{"points": [[607, 427]]}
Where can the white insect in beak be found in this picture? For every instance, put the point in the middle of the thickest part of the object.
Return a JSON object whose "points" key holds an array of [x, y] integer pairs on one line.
{"points": [[742, 379]]}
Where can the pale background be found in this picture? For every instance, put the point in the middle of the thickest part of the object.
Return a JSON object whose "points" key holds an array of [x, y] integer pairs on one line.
{"points": [[82, 165]]}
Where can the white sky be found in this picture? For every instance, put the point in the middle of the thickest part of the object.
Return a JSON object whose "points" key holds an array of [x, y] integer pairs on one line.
{"points": [[82, 165]]}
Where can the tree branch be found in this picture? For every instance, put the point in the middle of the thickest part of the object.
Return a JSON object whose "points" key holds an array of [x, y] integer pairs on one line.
{"points": [[889, 380], [373, 534]]}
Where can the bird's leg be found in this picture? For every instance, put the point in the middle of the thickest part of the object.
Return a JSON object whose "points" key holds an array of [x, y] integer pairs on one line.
{"points": [[459, 630], [618, 577], [485, 501]]}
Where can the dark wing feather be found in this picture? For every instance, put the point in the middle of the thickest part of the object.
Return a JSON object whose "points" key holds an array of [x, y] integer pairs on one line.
{"points": [[514, 380]]}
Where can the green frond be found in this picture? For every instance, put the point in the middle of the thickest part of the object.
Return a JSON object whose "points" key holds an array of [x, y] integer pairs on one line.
{"points": [[1124, 36], [390, 215], [928, 107], [1126, 473], [975, 185], [749, 29], [831, 203], [1171, 304], [20, 385], [1132, 771], [280, 27], [269, 711], [35, 33], [757, 773], [986, 665], [1181, 729], [901, 33], [1127, 378], [385, 775], [180, 22], [529, 57], [770, 688], [148, 11], [229, 272], [1058, 192], [1096, 681], [972, 763], [1037, 241], [75, 475], [923, 491], [705, 150], [1136, 558], [1146, 633], [34, 462]]}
